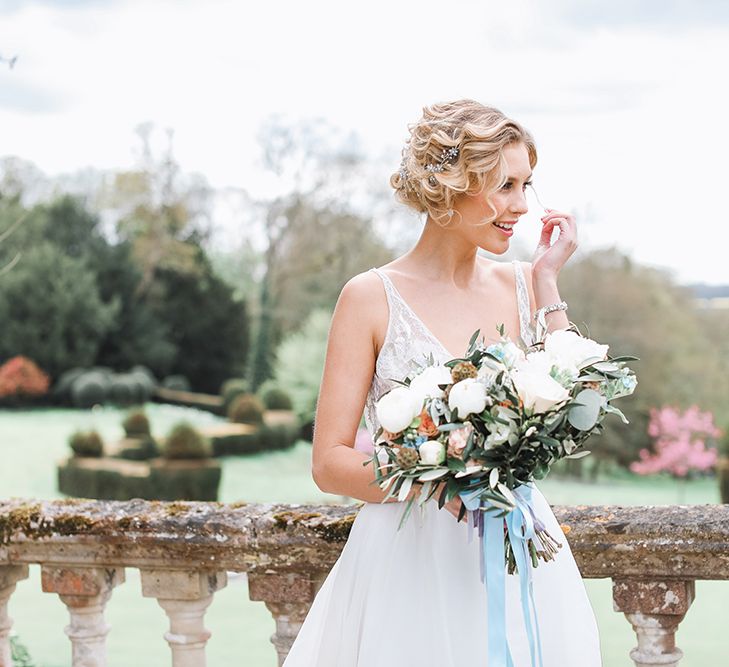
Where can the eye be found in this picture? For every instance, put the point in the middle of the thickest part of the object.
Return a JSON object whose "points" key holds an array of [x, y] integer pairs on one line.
{"points": [[507, 185]]}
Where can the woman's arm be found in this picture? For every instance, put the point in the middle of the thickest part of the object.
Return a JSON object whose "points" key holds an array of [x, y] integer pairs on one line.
{"points": [[337, 468], [547, 263]]}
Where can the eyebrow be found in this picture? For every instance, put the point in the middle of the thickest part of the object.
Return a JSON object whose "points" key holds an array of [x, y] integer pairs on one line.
{"points": [[513, 178]]}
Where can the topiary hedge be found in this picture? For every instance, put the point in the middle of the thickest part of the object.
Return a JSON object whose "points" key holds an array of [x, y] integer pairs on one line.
{"points": [[246, 409]]}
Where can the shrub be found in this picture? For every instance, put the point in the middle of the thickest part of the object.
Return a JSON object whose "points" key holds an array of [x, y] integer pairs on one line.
{"points": [[136, 424], [275, 398], [86, 443], [137, 448], [300, 362], [231, 389], [90, 388], [176, 383], [185, 442], [246, 409], [125, 389], [20, 377], [62, 389]]}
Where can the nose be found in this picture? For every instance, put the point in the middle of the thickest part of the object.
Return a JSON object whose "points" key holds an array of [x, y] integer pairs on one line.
{"points": [[518, 204]]}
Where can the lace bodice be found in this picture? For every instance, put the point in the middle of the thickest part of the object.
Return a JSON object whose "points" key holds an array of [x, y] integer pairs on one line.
{"points": [[409, 343]]}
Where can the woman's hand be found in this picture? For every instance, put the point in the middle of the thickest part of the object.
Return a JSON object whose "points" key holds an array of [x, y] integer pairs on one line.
{"points": [[549, 259]]}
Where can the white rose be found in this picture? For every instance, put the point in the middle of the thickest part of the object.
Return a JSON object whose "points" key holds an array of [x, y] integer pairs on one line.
{"points": [[536, 362], [432, 452], [467, 396], [425, 384], [538, 390], [397, 408], [570, 350]]}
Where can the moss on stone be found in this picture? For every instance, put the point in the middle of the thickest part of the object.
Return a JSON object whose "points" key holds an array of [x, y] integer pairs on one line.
{"points": [[335, 531]]}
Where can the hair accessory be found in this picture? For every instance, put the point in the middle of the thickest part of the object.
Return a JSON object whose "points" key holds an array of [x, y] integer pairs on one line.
{"points": [[447, 156]]}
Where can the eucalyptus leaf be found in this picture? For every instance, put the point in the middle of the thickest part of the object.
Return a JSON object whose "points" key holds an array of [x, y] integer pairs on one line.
{"points": [[436, 473], [579, 455], [583, 417], [616, 411], [405, 489]]}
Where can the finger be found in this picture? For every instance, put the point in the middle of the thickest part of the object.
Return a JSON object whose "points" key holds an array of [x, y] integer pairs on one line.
{"points": [[556, 214]]}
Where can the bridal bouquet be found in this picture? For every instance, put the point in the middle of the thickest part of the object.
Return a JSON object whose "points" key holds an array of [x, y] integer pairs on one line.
{"points": [[486, 425]]}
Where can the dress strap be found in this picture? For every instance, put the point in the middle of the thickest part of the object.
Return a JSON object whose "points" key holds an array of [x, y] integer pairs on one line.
{"points": [[389, 287], [522, 299]]}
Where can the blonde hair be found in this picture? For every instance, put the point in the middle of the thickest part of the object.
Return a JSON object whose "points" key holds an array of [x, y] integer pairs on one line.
{"points": [[479, 132]]}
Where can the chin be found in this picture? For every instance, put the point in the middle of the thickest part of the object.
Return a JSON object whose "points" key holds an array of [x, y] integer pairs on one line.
{"points": [[494, 249]]}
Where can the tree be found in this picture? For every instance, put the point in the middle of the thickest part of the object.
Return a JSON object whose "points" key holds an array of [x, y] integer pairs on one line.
{"points": [[52, 312], [207, 325], [317, 171], [158, 210], [639, 310]]}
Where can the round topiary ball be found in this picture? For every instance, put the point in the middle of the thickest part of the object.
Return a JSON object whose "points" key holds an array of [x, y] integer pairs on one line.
{"points": [[61, 391], [231, 389], [136, 424], [275, 398], [86, 443], [125, 389], [90, 388], [246, 409], [184, 441]]}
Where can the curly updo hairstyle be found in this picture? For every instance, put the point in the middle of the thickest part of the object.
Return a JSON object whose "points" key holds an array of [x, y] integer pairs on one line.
{"points": [[430, 177]]}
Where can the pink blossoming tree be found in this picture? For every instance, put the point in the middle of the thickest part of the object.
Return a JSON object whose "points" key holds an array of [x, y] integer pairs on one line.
{"points": [[679, 443]]}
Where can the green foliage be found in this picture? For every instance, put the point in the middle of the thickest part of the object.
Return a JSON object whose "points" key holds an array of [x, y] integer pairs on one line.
{"points": [[246, 409], [52, 311], [275, 398], [300, 363], [206, 324], [640, 311], [231, 389], [176, 382], [19, 654], [86, 443], [90, 388], [184, 441], [136, 423], [137, 448]]}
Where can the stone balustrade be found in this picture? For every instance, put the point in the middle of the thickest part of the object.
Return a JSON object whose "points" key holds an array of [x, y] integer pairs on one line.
{"points": [[653, 555]]}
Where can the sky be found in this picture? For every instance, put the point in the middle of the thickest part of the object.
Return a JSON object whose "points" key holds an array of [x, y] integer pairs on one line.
{"points": [[627, 100]]}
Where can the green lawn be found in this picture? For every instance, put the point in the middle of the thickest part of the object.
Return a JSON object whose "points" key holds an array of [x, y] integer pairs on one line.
{"points": [[33, 440]]}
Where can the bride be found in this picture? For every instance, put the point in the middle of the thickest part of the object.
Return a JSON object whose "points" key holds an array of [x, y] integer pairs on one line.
{"points": [[401, 598]]}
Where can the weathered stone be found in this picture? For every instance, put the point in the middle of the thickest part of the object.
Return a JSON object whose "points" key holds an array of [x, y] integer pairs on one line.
{"points": [[653, 553], [654, 608], [85, 592], [10, 575], [185, 596]]}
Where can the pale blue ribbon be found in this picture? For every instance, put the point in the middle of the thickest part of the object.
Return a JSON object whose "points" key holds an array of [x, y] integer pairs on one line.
{"points": [[521, 525]]}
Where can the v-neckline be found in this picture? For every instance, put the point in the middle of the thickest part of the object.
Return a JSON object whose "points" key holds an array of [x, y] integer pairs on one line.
{"points": [[425, 327]]}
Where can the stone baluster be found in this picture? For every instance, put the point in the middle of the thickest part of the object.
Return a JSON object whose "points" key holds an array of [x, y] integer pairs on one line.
{"points": [[288, 597], [85, 592], [10, 575], [654, 608], [185, 596]]}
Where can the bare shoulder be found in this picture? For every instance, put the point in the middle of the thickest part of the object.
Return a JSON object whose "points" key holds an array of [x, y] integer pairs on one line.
{"points": [[362, 304]]}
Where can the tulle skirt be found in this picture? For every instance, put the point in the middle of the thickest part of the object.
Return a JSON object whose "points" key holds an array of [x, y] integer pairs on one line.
{"points": [[415, 597]]}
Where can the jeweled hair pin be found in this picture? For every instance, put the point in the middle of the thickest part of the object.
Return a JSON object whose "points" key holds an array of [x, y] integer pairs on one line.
{"points": [[447, 156]]}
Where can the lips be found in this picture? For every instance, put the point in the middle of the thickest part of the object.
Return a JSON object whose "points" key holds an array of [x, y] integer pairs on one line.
{"points": [[507, 231]]}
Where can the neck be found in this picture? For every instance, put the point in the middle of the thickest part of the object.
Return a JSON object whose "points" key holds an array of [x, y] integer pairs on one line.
{"points": [[443, 255]]}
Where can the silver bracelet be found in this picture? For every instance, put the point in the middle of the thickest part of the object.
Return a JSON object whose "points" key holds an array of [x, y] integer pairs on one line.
{"points": [[562, 305]]}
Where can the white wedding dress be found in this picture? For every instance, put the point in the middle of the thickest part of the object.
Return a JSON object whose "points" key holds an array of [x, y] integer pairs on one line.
{"points": [[413, 597]]}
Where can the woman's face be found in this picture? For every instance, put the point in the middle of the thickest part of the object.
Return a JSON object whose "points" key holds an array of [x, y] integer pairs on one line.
{"points": [[509, 202]]}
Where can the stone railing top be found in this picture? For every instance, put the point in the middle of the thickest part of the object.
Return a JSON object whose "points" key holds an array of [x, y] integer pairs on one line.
{"points": [[682, 541]]}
